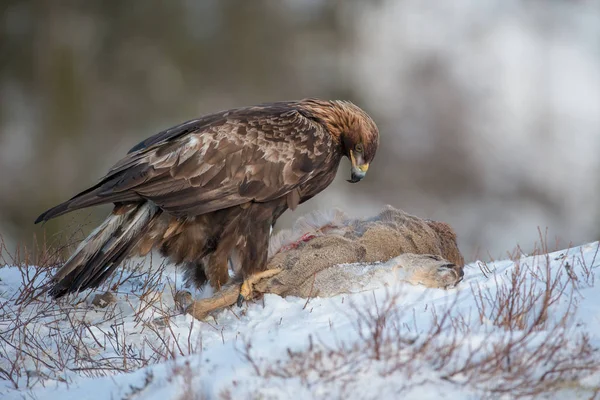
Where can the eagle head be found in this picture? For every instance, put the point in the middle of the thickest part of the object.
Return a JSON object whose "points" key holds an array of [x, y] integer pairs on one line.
{"points": [[353, 129], [359, 140]]}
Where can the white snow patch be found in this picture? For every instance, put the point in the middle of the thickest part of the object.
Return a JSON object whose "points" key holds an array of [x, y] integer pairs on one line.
{"points": [[208, 357]]}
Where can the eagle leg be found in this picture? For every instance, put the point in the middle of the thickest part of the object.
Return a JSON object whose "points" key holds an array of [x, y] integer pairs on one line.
{"points": [[195, 273], [216, 269], [254, 254]]}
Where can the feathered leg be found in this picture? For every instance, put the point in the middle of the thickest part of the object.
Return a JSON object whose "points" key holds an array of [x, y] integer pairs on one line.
{"points": [[216, 269], [195, 273], [253, 257]]}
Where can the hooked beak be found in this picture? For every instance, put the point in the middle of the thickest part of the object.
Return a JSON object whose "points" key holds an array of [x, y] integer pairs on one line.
{"points": [[358, 170]]}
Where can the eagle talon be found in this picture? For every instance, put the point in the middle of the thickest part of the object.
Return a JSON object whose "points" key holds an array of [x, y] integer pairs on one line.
{"points": [[245, 291], [240, 300], [247, 288]]}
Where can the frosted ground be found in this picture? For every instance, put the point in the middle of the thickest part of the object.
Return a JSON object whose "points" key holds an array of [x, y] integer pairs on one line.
{"points": [[529, 326]]}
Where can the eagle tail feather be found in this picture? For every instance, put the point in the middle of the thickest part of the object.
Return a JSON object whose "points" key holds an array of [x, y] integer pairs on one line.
{"points": [[102, 251], [96, 195]]}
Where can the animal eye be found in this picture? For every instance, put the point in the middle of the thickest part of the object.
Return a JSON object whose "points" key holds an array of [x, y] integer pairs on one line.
{"points": [[359, 148]]}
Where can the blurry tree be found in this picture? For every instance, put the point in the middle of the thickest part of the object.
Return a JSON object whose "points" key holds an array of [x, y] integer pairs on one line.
{"points": [[488, 110]]}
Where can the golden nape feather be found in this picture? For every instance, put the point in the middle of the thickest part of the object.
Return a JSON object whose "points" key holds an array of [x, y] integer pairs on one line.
{"points": [[209, 190]]}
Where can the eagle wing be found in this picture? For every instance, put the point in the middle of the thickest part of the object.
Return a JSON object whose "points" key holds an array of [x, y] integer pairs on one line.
{"points": [[222, 160]]}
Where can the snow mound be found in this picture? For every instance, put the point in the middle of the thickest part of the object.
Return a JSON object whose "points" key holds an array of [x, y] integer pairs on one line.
{"points": [[523, 327]]}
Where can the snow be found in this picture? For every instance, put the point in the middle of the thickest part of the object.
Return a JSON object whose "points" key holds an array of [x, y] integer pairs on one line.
{"points": [[315, 348]]}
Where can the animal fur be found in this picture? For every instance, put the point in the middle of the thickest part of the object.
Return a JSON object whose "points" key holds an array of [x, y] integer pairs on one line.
{"points": [[326, 254]]}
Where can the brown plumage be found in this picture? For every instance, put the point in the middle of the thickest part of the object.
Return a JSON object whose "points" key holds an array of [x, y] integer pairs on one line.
{"points": [[208, 191]]}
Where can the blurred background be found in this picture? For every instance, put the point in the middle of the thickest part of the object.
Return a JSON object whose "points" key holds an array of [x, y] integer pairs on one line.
{"points": [[489, 111]]}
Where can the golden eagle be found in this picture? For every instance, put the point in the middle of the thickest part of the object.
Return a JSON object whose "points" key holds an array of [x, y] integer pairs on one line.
{"points": [[209, 190]]}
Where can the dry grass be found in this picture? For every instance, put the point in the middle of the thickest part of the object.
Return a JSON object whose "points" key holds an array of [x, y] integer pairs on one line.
{"points": [[527, 344], [519, 341], [43, 339]]}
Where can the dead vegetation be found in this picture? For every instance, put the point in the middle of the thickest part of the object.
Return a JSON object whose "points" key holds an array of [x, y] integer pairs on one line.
{"points": [[519, 341], [528, 346], [44, 340]]}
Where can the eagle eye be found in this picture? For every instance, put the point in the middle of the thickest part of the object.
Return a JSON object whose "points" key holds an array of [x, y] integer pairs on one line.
{"points": [[359, 148]]}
